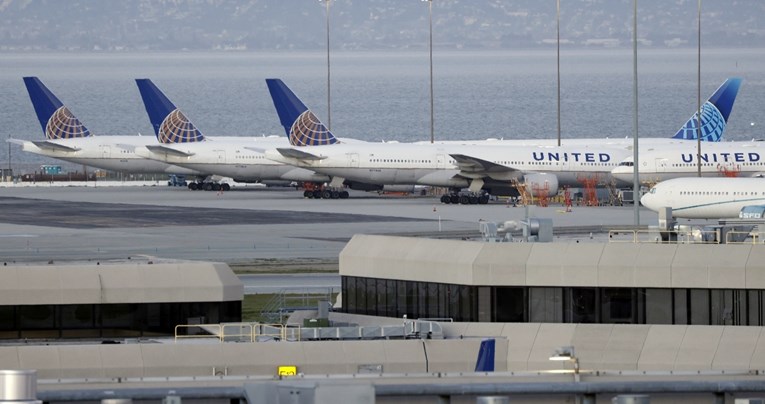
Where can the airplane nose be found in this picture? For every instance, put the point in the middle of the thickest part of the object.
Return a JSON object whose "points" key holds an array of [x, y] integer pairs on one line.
{"points": [[647, 200], [622, 173]]}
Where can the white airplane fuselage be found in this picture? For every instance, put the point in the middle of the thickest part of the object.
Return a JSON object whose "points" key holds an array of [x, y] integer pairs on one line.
{"points": [[433, 164], [706, 198], [237, 158], [115, 153], [744, 159]]}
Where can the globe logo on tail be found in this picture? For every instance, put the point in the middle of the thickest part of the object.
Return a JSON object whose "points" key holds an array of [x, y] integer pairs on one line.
{"points": [[307, 130], [712, 125], [63, 125], [176, 128]]}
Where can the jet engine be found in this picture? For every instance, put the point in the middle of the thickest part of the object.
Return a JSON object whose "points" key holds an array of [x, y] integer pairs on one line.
{"points": [[541, 184]]}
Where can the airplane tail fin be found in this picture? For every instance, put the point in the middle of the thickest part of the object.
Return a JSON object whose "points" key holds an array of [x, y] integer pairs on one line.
{"points": [[169, 123], [303, 128], [56, 120], [714, 114], [485, 362]]}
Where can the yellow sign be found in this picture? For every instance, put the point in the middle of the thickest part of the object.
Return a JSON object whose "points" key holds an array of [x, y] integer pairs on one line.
{"points": [[287, 370]]}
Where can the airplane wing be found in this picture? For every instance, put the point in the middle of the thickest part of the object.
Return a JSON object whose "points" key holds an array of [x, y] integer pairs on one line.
{"points": [[44, 144], [167, 150], [474, 164], [298, 154]]}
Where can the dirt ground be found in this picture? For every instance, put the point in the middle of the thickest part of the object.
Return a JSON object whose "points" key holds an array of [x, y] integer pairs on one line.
{"points": [[297, 265]]}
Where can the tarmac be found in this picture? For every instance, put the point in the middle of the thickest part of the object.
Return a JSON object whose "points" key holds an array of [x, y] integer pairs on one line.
{"points": [[72, 223]]}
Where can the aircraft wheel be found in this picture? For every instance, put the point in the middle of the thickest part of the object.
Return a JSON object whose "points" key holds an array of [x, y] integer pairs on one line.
{"points": [[326, 194], [446, 199], [216, 187], [317, 194], [464, 200], [344, 195], [225, 187], [483, 199], [473, 200], [193, 186], [455, 199], [335, 195], [207, 186], [308, 194]]}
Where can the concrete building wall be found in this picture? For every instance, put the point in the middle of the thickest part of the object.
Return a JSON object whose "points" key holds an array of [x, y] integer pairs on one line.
{"points": [[709, 266], [118, 283], [262, 358]]}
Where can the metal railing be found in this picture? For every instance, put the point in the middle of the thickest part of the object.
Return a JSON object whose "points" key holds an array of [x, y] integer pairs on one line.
{"points": [[654, 237]]}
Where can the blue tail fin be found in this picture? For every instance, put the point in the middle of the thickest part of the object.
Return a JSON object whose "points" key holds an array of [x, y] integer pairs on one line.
{"points": [[303, 128], [714, 114], [170, 124], [56, 120], [485, 362]]}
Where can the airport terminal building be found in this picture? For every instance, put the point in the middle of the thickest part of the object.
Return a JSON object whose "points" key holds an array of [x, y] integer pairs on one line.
{"points": [[578, 283]]}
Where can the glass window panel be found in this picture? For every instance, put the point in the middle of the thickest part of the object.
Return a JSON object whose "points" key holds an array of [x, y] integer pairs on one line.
{"points": [[403, 304], [453, 307], [509, 306], [432, 301], [349, 294], [467, 303], [36, 317], [700, 306], [422, 293], [361, 296], [617, 306], [381, 296], [546, 305], [583, 305], [77, 316], [390, 298], [117, 315], [754, 298], [658, 306], [7, 320], [681, 306]]}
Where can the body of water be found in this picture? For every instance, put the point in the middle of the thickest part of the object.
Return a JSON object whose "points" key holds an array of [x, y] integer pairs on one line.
{"points": [[385, 96]]}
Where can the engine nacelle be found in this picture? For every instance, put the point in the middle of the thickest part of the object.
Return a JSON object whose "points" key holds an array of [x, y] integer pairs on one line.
{"points": [[541, 184]]}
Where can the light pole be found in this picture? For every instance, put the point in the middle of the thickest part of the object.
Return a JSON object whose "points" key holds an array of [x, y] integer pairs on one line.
{"points": [[558, 25], [329, 109], [430, 26], [698, 97], [635, 150]]}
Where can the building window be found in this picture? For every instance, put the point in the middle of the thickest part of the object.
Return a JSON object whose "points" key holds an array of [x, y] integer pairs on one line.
{"points": [[509, 305], [546, 305], [581, 305], [658, 306], [618, 306]]}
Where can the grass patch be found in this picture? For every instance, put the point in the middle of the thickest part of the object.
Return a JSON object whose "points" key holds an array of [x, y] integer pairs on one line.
{"points": [[286, 266], [253, 305]]}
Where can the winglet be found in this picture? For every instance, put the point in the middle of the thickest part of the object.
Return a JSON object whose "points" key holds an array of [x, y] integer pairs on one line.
{"points": [[485, 362], [169, 123], [714, 114], [56, 120], [302, 127]]}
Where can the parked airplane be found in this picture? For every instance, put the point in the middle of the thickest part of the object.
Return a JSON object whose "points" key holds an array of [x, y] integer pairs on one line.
{"points": [[181, 143], [706, 198], [744, 159], [482, 169], [69, 140]]}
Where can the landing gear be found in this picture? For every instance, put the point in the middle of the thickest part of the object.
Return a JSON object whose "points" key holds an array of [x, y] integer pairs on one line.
{"points": [[209, 186], [465, 198], [323, 192]]}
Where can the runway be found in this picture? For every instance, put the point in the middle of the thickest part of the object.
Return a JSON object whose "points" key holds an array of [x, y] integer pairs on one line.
{"points": [[114, 223]]}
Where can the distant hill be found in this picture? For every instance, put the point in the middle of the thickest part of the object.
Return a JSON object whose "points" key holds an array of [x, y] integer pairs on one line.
{"points": [[86, 25]]}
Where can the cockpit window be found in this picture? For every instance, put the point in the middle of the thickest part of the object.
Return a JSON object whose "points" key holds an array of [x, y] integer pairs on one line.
{"points": [[653, 190]]}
